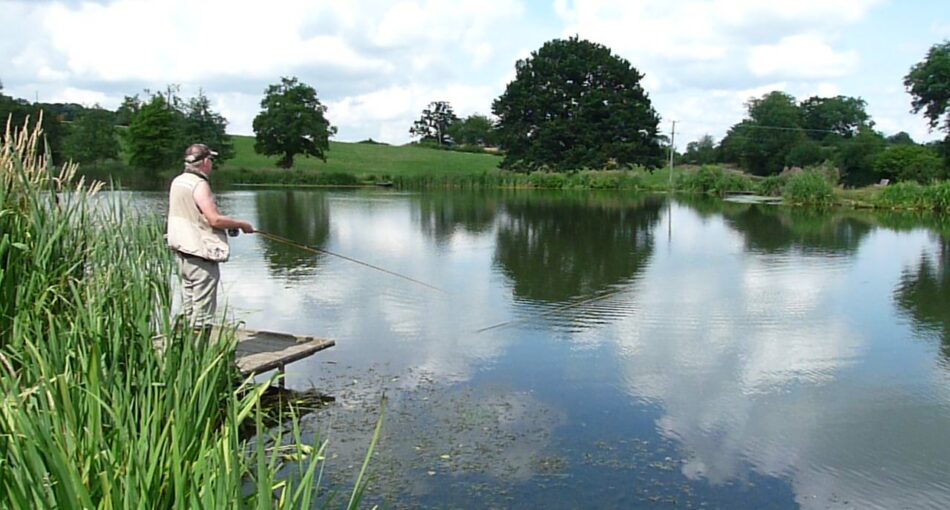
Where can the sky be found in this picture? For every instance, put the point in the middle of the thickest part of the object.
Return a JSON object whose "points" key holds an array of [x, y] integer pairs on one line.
{"points": [[376, 65]]}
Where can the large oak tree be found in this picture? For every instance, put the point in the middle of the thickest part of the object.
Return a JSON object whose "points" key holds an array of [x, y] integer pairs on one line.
{"points": [[435, 123], [574, 104], [292, 121], [928, 82], [843, 115], [773, 128]]}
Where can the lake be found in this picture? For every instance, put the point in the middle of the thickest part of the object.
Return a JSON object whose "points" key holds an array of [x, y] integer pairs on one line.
{"points": [[610, 350]]}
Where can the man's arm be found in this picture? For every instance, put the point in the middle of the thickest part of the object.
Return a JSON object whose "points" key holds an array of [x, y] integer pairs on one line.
{"points": [[205, 202]]}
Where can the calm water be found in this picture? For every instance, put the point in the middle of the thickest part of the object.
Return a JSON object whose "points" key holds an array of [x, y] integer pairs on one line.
{"points": [[609, 350]]}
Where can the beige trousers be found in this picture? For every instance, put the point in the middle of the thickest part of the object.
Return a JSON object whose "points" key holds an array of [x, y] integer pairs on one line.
{"points": [[199, 287]]}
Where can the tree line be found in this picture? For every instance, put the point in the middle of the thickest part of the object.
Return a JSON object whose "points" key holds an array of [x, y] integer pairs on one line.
{"points": [[573, 104], [156, 127], [780, 132]]}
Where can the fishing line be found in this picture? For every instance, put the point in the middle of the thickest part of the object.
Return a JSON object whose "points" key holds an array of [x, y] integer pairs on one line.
{"points": [[549, 312], [344, 257]]}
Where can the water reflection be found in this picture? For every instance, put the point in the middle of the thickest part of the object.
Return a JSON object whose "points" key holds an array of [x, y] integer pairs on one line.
{"points": [[924, 291], [442, 215], [301, 216], [772, 229], [772, 363], [753, 356], [561, 246]]}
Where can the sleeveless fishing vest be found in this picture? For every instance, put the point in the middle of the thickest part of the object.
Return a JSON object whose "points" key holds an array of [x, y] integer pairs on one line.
{"points": [[188, 230]]}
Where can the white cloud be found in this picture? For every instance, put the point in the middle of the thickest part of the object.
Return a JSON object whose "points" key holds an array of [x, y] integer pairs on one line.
{"points": [[826, 89], [755, 396], [704, 59], [357, 54], [804, 12], [239, 108], [802, 57], [387, 114], [410, 23], [82, 96], [170, 46], [700, 30]]}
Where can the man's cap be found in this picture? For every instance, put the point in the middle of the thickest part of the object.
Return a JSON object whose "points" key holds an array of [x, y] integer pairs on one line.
{"points": [[198, 152]]}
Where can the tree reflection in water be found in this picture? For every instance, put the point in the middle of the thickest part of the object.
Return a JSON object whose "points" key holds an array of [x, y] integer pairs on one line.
{"points": [[440, 215], [769, 229], [558, 247], [924, 291], [301, 216]]}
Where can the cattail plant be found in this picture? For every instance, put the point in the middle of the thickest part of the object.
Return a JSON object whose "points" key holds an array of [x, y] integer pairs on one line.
{"points": [[91, 414]]}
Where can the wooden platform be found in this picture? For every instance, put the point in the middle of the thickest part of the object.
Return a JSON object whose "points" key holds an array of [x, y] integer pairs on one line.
{"points": [[260, 351]]}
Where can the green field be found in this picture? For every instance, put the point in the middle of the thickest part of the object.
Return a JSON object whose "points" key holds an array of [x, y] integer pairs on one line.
{"points": [[365, 159]]}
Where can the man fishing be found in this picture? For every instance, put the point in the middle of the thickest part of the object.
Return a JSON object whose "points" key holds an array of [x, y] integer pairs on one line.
{"points": [[197, 234]]}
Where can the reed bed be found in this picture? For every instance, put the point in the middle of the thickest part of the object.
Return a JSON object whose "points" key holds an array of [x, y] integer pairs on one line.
{"points": [[714, 180], [811, 188], [913, 196], [92, 415]]}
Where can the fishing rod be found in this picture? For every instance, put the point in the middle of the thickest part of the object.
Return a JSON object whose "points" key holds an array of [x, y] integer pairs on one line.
{"points": [[549, 312], [313, 249]]}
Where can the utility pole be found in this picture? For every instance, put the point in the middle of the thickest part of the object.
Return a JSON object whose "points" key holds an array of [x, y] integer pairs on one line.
{"points": [[669, 200], [672, 141]]}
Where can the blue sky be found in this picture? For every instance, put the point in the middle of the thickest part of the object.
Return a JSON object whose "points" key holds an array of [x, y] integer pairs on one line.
{"points": [[377, 64]]}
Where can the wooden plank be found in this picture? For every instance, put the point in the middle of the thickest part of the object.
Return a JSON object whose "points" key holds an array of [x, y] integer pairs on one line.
{"points": [[260, 351], [264, 361]]}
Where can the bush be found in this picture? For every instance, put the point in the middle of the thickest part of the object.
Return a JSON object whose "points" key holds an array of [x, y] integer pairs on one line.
{"points": [[938, 196], [827, 170], [714, 180], [810, 187], [587, 179], [772, 186], [121, 175], [903, 195], [551, 180], [284, 177], [909, 163], [808, 152], [475, 149], [911, 195], [336, 179]]}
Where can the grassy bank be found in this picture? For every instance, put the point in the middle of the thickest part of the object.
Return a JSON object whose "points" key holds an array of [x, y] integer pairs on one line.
{"points": [[91, 414], [370, 161], [420, 167]]}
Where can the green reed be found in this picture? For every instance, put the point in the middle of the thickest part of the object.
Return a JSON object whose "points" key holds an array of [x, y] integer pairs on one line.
{"points": [[713, 180], [810, 187], [92, 413], [914, 196], [496, 179]]}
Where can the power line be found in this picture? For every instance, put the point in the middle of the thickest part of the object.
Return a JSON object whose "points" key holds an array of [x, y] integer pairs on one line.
{"points": [[672, 152], [756, 126], [782, 128]]}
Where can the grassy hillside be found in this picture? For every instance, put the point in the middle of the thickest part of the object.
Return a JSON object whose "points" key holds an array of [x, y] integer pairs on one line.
{"points": [[406, 166], [364, 159]]}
